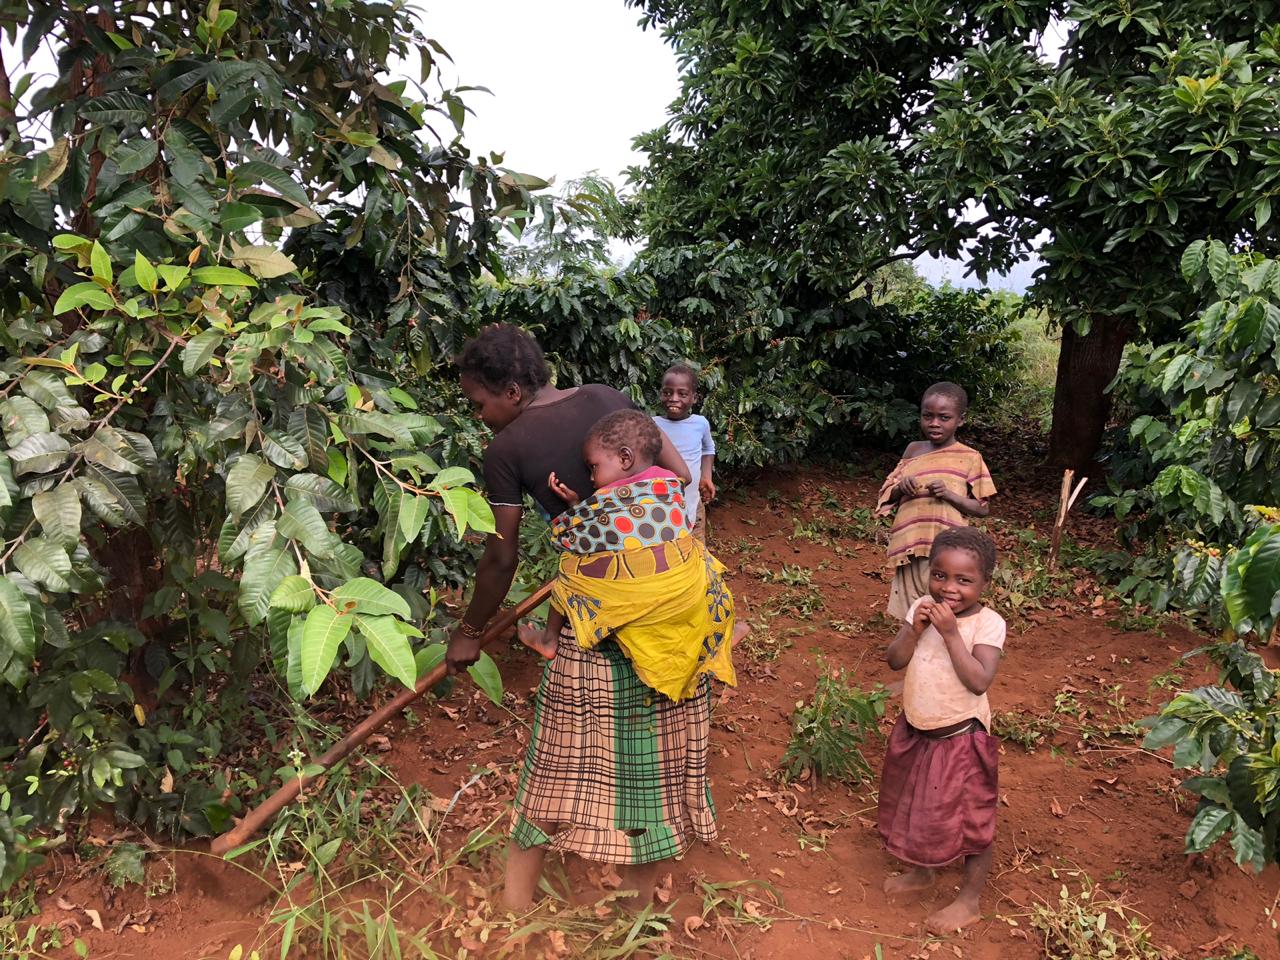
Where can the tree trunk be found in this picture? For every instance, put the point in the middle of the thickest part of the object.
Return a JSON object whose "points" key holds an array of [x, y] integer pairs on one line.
{"points": [[1081, 404]]}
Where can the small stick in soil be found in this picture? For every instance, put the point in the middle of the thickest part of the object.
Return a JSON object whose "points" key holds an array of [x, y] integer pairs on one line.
{"points": [[1067, 500]]}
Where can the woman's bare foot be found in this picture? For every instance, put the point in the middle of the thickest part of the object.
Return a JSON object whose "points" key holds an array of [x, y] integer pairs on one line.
{"points": [[960, 913], [914, 880], [740, 629], [537, 640]]}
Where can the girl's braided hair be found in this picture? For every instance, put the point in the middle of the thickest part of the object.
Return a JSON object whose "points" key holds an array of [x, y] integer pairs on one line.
{"points": [[500, 355], [967, 538], [628, 428]]}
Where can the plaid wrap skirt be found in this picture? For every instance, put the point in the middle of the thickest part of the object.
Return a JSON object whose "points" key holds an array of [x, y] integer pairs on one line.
{"points": [[615, 772]]}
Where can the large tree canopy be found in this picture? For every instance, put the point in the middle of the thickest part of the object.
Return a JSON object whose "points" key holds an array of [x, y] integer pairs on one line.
{"points": [[821, 139], [1154, 128]]}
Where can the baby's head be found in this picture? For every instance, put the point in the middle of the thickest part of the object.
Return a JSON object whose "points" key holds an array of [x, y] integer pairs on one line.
{"points": [[621, 444], [679, 391], [961, 562], [942, 410]]}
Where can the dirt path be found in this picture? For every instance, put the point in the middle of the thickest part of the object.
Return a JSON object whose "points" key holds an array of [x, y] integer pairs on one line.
{"points": [[1083, 801]]}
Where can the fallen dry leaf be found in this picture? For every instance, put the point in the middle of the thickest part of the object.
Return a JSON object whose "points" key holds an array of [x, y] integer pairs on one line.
{"points": [[610, 879], [65, 904], [664, 889], [95, 918], [166, 782], [691, 924], [1056, 808], [555, 939]]}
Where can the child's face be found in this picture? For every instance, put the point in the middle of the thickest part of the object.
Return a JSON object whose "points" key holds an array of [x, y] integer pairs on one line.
{"points": [[607, 466], [956, 579], [940, 417], [678, 395]]}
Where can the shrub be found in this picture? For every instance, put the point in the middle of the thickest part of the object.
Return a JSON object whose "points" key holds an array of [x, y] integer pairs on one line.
{"points": [[828, 733]]}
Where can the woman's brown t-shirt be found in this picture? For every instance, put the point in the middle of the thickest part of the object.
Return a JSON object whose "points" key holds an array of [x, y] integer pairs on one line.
{"points": [[545, 439]]}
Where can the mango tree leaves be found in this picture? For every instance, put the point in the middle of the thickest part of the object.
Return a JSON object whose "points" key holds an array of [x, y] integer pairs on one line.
{"points": [[39, 453], [486, 676], [264, 570], [301, 521], [22, 417], [388, 647], [200, 350], [42, 561], [264, 262], [295, 594], [247, 482], [370, 598], [58, 511], [17, 629], [322, 634]]}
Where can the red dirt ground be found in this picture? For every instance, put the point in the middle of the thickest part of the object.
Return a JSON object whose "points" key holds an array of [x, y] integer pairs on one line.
{"points": [[1100, 806]]}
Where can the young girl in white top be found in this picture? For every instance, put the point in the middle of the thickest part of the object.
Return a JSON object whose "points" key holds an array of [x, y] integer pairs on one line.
{"points": [[938, 791]]}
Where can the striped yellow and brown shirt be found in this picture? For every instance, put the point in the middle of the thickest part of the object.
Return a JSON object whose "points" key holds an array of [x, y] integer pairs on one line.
{"points": [[921, 518]]}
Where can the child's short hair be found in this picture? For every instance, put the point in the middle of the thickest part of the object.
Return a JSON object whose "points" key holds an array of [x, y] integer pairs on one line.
{"points": [[684, 370], [952, 391], [967, 538], [628, 428]]}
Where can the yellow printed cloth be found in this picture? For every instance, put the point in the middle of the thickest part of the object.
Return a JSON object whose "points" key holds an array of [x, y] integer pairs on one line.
{"points": [[667, 604]]}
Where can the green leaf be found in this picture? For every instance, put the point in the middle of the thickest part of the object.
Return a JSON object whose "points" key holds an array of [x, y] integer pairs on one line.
{"points": [[370, 598], [235, 217], [17, 628], [135, 157], [43, 561], [284, 451], [86, 294], [1209, 823], [264, 570], [1261, 580], [247, 482], [58, 511], [111, 448], [428, 658], [222, 277], [389, 648], [451, 477], [21, 417], [263, 261], [112, 495], [412, 515], [310, 427], [294, 594], [485, 673], [39, 453], [200, 350], [301, 521], [468, 510], [321, 491], [144, 273], [100, 261], [323, 633]]}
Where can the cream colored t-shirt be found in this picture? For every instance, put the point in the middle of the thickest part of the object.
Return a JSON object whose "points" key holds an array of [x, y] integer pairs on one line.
{"points": [[932, 694]]}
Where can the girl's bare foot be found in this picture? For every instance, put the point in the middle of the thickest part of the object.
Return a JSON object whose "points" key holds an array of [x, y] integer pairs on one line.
{"points": [[537, 640], [960, 913], [914, 880]]}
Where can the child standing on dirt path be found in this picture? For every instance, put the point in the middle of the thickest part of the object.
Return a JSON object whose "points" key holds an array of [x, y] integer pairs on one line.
{"points": [[937, 484], [938, 790], [690, 434]]}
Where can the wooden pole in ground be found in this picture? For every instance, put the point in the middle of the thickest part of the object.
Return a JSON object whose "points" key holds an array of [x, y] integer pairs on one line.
{"points": [[1066, 500], [258, 817]]}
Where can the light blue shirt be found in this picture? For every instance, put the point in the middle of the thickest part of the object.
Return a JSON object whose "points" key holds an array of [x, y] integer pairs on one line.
{"points": [[692, 438]]}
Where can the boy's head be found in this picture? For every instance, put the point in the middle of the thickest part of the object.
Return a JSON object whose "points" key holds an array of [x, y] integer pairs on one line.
{"points": [[961, 562], [679, 391], [942, 410], [621, 444]]}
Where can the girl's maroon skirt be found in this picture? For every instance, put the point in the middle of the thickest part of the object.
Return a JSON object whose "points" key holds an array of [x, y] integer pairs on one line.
{"points": [[938, 796]]}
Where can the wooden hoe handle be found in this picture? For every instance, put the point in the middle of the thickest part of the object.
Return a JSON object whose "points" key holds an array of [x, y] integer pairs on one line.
{"points": [[256, 818]]}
